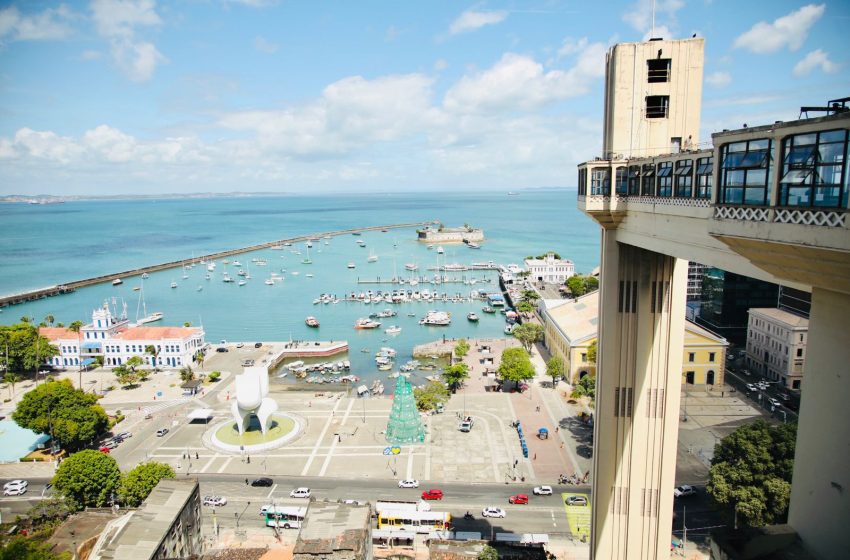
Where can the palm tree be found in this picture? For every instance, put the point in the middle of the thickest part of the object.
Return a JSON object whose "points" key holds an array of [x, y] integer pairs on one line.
{"points": [[186, 374], [153, 351], [49, 319], [75, 327], [11, 378]]}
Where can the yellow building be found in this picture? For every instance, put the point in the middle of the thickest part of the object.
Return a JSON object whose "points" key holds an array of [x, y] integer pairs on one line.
{"points": [[570, 327]]}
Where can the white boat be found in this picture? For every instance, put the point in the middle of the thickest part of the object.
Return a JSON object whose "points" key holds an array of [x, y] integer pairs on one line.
{"points": [[145, 276], [361, 242], [295, 365], [309, 275], [236, 263], [211, 267], [155, 316], [261, 262], [173, 284], [366, 324], [440, 250], [509, 329], [395, 329], [307, 259], [269, 282], [436, 319], [200, 288], [117, 282], [411, 266], [372, 257], [351, 265], [242, 282], [472, 245]]}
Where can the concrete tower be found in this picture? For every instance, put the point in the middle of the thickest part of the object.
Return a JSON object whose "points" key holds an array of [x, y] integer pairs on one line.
{"points": [[653, 94]]}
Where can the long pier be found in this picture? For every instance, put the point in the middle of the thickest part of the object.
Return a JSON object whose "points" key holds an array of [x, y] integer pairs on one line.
{"points": [[68, 287]]}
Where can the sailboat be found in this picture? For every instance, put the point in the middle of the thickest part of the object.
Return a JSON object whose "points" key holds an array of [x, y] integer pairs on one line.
{"points": [[307, 258], [141, 306], [372, 257]]}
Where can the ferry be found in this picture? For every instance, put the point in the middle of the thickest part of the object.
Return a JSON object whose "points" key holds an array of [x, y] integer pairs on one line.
{"points": [[366, 324], [437, 319], [312, 322]]}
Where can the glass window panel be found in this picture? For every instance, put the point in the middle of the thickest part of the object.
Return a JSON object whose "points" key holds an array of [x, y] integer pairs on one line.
{"points": [[734, 178], [648, 172], [804, 139], [799, 155], [634, 171], [827, 196], [830, 153], [754, 159], [762, 144], [828, 174], [733, 195], [704, 169], [796, 196], [754, 196], [736, 147], [664, 171], [732, 160], [797, 176], [833, 136]]}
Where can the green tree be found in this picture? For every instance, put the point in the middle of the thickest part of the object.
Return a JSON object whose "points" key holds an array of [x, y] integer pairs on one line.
{"points": [[133, 362], [591, 352], [577, 285], [430, 395], [529, 296], [528, 334], [88, 478], [461, 348], [525, 307], [454, 375], [488, 553], [586, 387], [515, 365], [138, 483], [555, 369], [186, 373], [153, 352], [26, 349], [125, 376], [750, 475], [592, 283], [22, 548], [214, 376], [72, 416], [11, 378]]}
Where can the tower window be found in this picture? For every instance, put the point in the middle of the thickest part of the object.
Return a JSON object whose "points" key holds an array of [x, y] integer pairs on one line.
{"points": [[657, 106], [658, 70]]}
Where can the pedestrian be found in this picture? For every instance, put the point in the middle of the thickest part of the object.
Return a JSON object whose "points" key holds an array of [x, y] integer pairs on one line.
{"points": [[556, 429], [562, 445], [196, 455], [246, 482], [538, 408], [535, 456]]}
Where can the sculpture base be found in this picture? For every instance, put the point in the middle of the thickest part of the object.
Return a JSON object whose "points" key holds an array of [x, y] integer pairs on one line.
{"points": [[283, 429]]}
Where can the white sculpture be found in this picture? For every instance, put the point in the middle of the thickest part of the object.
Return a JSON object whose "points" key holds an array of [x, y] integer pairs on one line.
{"points": [[252, 388]]}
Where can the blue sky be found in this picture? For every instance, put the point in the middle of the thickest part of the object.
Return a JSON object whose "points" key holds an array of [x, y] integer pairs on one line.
{"points": [[141, 96]]}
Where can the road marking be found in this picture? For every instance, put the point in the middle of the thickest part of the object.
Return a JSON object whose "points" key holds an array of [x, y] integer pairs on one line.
{"points": [[269, 497], [208, 463], [531, 476], [336, 440], [224, 465], [321, 438]]}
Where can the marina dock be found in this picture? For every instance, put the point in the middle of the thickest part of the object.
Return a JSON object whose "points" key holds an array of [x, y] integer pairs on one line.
{"points": [[68, 287]]}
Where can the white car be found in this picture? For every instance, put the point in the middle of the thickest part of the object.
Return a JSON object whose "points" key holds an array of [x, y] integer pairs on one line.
{"points": [[265, 508], [408, 483], [683, 491], [493, 512], [542, 490], [774, 402], [751, 387], [15, 484], [14, 491], [300, 493], [214, 501]]}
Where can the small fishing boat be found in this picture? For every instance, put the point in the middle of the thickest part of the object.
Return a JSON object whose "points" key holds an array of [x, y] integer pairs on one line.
{"points": [[488, 309], [440, 250], [472, 317], [145, 276], [269, 282], [351, 265], [312, 322], [366, 324], [395, 329], [117, 282], [173, 284]]}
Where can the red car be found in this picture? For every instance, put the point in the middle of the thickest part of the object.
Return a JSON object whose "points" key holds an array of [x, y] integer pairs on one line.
{"points": [[432, 494], [104, 449], [518, 499]]}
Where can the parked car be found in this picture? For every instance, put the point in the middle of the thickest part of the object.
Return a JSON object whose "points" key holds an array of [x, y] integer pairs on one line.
{"points": [[161, 432], [258, 345], [104, 449], [124, 435], [16, 484], [354, 502], [543, 490], [774, 402], [751, 387], [576, 501], [112, 443], [433, 494], [15, 491], [222, 349], [262, 481], [493, 512], [302, 492], [684, 491], [408, 483], [214, 501], [240, 344], [518, 499]]}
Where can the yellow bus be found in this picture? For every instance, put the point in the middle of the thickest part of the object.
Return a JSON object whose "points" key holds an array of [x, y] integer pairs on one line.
{"points": [[417, 521]]}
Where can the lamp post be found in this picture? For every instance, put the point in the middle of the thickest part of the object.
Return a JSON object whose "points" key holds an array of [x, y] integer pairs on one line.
{"points": [[239, 515]]}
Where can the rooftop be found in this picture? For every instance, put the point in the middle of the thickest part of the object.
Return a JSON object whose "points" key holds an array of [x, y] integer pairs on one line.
{"points": [[331, 526], [157, 333], [781, 316]]}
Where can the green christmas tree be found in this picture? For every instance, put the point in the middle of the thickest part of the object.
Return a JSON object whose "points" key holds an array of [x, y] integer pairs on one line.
{"points": [[404, 425]]}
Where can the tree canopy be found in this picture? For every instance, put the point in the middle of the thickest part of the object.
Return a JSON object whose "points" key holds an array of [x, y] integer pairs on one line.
{"points": [[555, 369], [750, 475], [430, 395], [488, 553], [586, 387], [88, 478], [515, 365], [461, 348], [26, 348], [22, 548], [137, 484], [591, 352], [73, 416], [528, 334], [454, 375], [580, 285], [187, 374]]}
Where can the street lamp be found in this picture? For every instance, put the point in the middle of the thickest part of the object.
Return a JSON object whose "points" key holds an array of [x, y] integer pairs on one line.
{"points": [[239, 515]]}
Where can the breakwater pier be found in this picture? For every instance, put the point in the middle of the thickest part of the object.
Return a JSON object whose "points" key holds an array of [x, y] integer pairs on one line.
{"points": [[68, 287]]}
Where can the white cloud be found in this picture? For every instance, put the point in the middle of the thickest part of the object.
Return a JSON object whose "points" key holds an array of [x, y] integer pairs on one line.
{"points": [[472, 19], [639, 16], [52, 23], [118, 22], [519, 82], [572, 46], [789, 31], [813, 60], [718, 79], [265, 46]]}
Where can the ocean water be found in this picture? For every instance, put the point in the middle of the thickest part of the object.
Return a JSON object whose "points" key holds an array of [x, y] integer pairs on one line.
{"points": [[44, 245]]}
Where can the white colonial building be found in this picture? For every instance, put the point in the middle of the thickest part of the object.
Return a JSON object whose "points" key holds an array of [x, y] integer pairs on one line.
{"points": [[117, 340], [776, 345], [550, 270]]}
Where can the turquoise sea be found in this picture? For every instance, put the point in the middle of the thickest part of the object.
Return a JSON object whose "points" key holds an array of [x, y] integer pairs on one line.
{"points": [[44, 245]]}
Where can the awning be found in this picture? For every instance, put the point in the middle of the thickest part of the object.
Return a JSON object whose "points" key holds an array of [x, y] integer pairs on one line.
{"points": [[88, 361], [91, 345]]}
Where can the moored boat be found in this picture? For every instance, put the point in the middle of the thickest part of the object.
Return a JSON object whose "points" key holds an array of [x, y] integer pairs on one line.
{"points": [[436, 319], [472, 317], [366, 324], [312, 322], [117, 282], [395, 329], [488, 309], [351, 265]]}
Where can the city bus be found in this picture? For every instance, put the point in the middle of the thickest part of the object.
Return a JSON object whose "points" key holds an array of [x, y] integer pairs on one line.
{"points": [[286, 517], [416, 521]]}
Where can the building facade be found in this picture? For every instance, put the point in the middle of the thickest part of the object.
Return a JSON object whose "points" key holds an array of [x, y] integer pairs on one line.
{"points": [[549, 270], [695, 273], [115, 340], [570, 329], [776, 345]]}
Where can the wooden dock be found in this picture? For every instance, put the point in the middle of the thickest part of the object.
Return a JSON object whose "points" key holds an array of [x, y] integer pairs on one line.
{"points": [[68, 287]]}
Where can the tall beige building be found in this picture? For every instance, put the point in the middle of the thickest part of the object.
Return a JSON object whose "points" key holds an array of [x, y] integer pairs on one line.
{"points": [[652, 97]]}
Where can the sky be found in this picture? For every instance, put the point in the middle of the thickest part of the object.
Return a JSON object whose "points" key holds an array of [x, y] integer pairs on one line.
{"points": [[112, 97]]}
